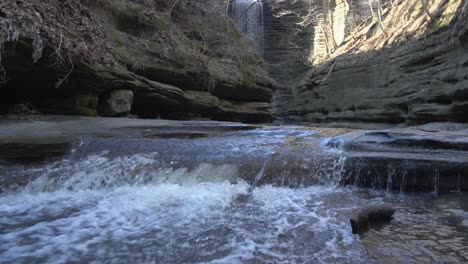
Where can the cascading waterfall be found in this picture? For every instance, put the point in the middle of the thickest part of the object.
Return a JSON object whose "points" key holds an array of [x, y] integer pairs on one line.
{"points": [[248, 18]]}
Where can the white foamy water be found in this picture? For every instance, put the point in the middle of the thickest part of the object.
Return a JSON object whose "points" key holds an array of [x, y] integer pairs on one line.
{"points": [[172, 223], [247, 197], [101, 171]]}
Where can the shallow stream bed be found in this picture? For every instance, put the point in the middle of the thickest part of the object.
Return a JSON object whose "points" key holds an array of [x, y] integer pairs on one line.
{"points": [[259, 195]]}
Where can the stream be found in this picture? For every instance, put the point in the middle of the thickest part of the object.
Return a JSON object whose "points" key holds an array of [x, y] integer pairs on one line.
{"points": [[233, 197]]}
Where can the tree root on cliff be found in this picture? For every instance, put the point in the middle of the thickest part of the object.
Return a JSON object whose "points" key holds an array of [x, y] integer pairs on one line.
{"points": [[60, 63], [60, 81]]}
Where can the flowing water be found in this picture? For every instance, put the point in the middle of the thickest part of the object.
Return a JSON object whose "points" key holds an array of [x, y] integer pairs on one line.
{"points": [[248, 18], [268, 195]]}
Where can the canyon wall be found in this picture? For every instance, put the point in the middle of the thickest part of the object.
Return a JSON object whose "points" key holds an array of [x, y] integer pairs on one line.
{"points": [[400, 62], [147, 58]]}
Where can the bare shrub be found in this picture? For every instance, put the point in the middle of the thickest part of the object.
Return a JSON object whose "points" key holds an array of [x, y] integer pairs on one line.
{"points": [[24, 108], [208, 34]]}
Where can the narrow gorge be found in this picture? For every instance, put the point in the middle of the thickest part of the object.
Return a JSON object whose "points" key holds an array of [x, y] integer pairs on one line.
{"points": [[233, 131], [389, 63]]}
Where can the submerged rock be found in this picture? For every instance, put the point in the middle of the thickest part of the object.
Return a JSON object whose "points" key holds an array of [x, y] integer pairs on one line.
{"points": [[33, 150], [363, 217]]}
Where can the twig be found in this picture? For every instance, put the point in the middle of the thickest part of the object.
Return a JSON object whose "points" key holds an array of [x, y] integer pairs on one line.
{"points": [[463, 9], [424, 4], [460, 16], [329, 72], [58, 50], [62, 80], [332, 30], [245, 11], [379, 13], [371, 9], [172, 7]]}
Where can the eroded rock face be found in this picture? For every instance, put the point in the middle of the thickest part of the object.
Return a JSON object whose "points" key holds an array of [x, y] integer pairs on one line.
{"points": [[116, 103], [430, 158], [406, 69], [137, 46]]}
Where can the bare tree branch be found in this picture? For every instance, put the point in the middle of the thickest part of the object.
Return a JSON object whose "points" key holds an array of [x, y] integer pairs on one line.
{"points": [[172, 7], [426, 9], [330, 71]]}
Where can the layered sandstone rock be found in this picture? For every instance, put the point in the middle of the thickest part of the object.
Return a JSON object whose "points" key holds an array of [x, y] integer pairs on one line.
{"points": [[55, 50], [398, 65]]}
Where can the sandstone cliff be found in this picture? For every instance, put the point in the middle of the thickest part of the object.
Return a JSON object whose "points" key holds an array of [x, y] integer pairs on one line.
{"points": [[152, 58], [399, 62]]}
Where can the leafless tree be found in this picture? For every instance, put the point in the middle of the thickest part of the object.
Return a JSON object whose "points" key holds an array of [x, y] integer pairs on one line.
{"points": [[320, 20]]}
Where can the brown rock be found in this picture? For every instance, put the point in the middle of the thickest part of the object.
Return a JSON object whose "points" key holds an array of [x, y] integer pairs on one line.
{"points": [[116, 103], [363, 217], [132, 50]]}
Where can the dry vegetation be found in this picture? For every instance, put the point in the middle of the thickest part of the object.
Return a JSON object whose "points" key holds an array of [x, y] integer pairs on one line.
{"points": [[59, 32], [179, 32], [387, 24], [66, 25]]}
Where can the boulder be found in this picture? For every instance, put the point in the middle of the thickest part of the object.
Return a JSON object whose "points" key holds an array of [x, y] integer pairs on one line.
{"points": [[363, 217], [116, 103]]}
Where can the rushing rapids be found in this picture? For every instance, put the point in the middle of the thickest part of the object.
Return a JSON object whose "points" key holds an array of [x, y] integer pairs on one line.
{"points": [[194, 195]]}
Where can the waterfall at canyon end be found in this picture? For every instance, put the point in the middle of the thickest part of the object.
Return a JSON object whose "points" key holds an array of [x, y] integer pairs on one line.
{"points": [[248, 17]]}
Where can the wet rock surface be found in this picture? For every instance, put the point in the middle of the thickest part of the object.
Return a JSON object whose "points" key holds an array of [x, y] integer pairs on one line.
{"points": [[33, 150], [363, 218], [430, 158]]}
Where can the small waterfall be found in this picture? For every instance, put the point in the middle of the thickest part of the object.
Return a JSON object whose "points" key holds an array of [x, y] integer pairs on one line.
{"points": [[248, 18]]}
